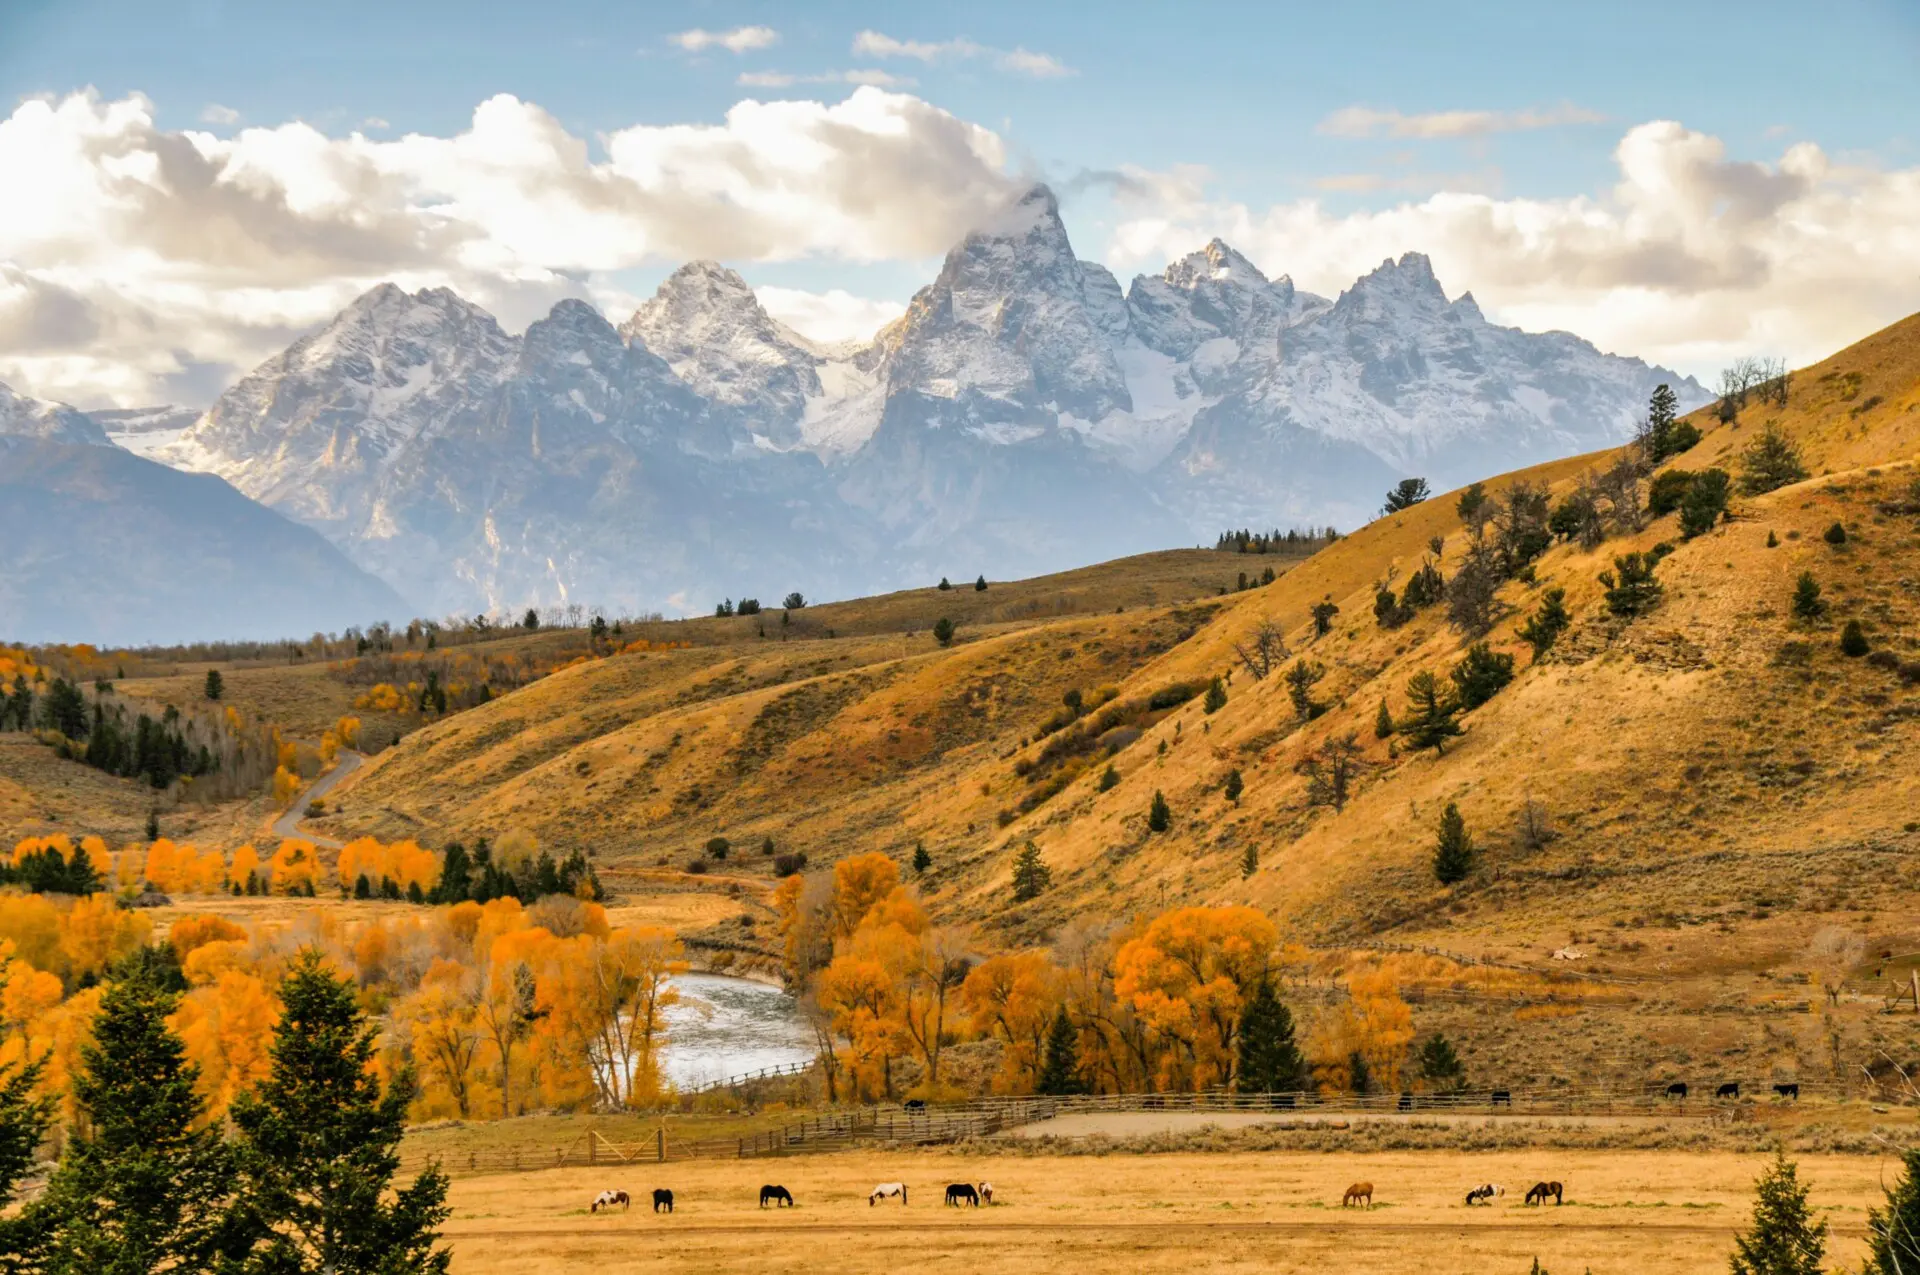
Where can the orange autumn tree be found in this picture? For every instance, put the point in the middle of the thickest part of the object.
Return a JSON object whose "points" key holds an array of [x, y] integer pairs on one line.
{"points": [[1187, 976], [1012, 999]]}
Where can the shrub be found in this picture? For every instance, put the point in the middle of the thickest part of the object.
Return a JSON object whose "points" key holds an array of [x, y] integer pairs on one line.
{"points": [[1836, 534], [766, 845], [1172, 696], [717, 847], [1109, 777], [1545, 626], [1773, 541], [1853, 642], [1481, 676], [785, 865], [1234, 786], [1667, 491], [1216, 696], [1631, 589], [1704, 503], [1770, 462], [697, 868]]}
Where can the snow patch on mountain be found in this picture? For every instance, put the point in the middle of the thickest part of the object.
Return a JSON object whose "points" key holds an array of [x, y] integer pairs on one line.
{"points": [[24, 417]]}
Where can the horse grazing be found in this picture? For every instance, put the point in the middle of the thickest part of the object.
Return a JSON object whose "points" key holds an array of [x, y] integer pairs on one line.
{"points": [[1542, 1190], [607, 1199], [1361, 1191], [1406, 1102], [1729, 1090], [1500, 1097], [886, 1191], [1485, 1191], [662, 1200], [1678, 1089], [1788, 1091], [986, 1193], [781, 1197], [962, 1191]]}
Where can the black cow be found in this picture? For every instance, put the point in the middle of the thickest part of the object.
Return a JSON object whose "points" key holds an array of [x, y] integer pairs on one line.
{"points": [[962, 1191], [1788, 1091], [1678, 1089], [1500, 1097], [781, 1197], [1728, 1090], [662, 1200]]}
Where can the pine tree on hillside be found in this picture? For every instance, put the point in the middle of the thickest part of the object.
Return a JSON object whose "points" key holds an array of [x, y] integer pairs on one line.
{"points": [[1429, 719], [1031, 876], [140, 1187], [1453, 849], [1631, 588], [1234, 786], [1382, 722], [319, 1146], [1770, 462], [1407, 493], [1216, 696], [921, 859], [24, 1120], [980, 585], [216, 687], [1440, 1065], [1808, 605], [1893, 1233], [1784, 1238], [1268, 1060], [1159, 814], [1544, 627], [1060, 1071]]}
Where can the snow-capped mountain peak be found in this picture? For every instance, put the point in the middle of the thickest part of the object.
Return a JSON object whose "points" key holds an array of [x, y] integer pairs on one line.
{"points": [[23, 417]]}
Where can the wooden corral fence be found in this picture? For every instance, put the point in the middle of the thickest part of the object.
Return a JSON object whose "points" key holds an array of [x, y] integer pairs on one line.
{"points": [[936, 1125]]}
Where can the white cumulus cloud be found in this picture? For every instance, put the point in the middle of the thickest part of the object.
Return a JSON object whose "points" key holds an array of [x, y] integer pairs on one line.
{"points": [[781, 79], [829, 317], [153, 263], [738, 40], [214, 113], [1690, 259]]}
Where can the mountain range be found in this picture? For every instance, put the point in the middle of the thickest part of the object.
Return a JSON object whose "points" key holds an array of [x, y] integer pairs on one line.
{"points": [[1025, 414]]}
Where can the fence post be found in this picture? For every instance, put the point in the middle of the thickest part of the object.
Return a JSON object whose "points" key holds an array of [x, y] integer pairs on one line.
{"points": [[592, 1151], [660, 1144]]}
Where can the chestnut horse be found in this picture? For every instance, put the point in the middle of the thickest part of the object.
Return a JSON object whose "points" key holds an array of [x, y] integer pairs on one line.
{"points": [[1358, 1191], [1540, 1192]]}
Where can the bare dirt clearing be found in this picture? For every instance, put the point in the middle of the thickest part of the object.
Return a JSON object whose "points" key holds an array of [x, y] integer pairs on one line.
{"points": [[1661, 1213]]}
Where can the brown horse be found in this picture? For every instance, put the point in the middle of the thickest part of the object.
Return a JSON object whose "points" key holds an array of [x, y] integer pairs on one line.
{"points": [[1358, 1191], [1540, 1192]]}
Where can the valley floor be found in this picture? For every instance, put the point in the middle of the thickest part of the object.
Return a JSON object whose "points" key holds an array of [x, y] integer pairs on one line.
{"points": [[1627, 1211]]}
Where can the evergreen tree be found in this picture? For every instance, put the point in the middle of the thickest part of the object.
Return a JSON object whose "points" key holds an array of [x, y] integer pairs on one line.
{"points": [[1773, 541], [1853, 640], [216, 687], [1301, 678], [1031, 876], [1268, 1060], [24, 1120], [1453, 849], [319, 1147], [456, 872], [1481, 676], [1407, 493], [945, 584], [1631, 589], [921, 859], [1159, 814], [1808, 605], [1667, 490], [1893, 1234], [66, 709], [1249, 861], [980, 585], [1440, 1065], [1472, 502], [1704, 503], [1359, 1075], [1323, 613], [1784, 1238], [1216, 696], [1429, 720], [1109, 777], [1836, 534], [1234, 786], [1770, 462], [943, 631], [140, 1187], [1382, 722], [531, 620], [1544, 627], [1060, 1071]]}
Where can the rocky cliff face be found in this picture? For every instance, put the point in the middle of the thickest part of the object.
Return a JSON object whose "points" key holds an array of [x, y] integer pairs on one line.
{"points": [[1024, 414]]}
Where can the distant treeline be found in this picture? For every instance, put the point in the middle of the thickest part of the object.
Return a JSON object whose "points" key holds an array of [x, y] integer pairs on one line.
{"points": [[1276, 541]]}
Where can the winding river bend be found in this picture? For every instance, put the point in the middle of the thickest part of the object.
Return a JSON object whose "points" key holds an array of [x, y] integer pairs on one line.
{"points": [[725, 1026]]}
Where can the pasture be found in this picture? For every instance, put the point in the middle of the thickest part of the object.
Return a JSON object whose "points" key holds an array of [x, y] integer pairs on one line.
{"points": [[1657, 1213]]}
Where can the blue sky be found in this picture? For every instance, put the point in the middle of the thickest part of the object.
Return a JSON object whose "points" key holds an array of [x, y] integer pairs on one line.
{"points": [[1243, 91]]}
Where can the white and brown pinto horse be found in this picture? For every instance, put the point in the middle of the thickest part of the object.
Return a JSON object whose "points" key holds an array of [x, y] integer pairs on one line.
{"points": [[1486, 1191], [986, 1193], [607, 1199], [886, 1191]]}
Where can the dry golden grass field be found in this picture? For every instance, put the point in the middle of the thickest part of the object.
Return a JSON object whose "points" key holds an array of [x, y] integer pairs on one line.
{"points": [[1626, 1213]]}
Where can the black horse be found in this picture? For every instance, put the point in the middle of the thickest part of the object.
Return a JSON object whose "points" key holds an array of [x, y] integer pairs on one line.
{"points": [[1729, 1090], [1542, 1190], [1500, 1097], [781, 1197], [1678, 1089], [1788, 1091], [962, 1191], [662, 1200]]}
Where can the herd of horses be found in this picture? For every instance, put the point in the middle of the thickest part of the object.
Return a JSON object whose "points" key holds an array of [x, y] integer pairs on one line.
{"points": [[958, 1194], [1361, 1193], [1789, 1091]]}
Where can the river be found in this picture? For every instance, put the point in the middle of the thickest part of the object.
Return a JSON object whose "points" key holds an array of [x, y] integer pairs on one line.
{"points": [[725, 1026]]}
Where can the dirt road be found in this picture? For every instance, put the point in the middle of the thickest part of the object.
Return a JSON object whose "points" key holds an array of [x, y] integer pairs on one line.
{"points": [[288, 824]]}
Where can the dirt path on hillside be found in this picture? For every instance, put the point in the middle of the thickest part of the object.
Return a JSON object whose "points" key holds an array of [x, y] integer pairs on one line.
{"points": [[288, 824]]}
